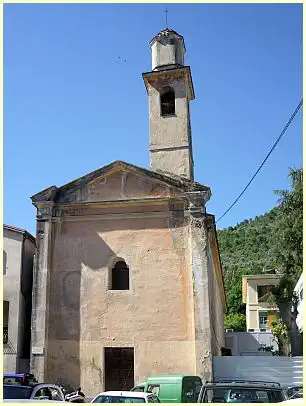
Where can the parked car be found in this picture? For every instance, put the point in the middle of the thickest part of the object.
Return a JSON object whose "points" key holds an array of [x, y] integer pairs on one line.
{"points": [[172, 388], [40, 391], [125, 397], [242, 392], [22, 379]]}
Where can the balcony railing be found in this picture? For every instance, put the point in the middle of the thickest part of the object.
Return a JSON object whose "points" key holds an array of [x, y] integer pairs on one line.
{"points": [[5, 335]]}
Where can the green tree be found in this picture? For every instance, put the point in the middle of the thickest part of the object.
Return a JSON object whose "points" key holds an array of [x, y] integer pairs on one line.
{"points": [[271, 241], [280, 332], [288, 253], [288, 236], [235, 321]]}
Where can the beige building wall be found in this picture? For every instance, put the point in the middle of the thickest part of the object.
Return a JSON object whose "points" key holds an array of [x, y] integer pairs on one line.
{"points": [[170, 148], [18, 263], [165, 315], [12, 245], [216, 305], [253, 306], [155, 316]]}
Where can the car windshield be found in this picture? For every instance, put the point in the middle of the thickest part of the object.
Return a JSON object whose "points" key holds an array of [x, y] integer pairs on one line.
{"points": [[16, 392], [242, 395], [138, 389], [118, 399]]}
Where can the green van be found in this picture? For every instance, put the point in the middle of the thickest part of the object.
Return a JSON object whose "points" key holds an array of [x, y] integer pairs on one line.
{"points": [[172, 388]]}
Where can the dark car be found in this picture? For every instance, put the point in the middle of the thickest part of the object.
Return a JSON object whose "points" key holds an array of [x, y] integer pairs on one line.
{"points": [[42, 391], [241, 392], [22, 379]]}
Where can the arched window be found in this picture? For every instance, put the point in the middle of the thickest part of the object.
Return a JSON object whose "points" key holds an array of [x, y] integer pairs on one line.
{"points": [[120, 276], [167, 101]]}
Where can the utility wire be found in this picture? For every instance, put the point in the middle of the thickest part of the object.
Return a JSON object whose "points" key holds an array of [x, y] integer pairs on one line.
{"points": [[264, 161]]}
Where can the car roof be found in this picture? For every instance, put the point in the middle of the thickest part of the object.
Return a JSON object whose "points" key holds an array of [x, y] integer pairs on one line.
{"points": [[125, 393], [32, 385], [248, 385], [170, 377], [14, 375]]}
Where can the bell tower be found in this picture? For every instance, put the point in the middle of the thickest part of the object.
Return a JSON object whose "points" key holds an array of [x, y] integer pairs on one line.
{"points": [[170, 89]]}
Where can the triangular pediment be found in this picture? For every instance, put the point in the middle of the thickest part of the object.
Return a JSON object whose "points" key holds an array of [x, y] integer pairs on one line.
{"points": [[119, 181]]}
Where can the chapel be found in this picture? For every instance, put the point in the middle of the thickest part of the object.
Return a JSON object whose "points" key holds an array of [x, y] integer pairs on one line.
{"points": [[127, 275]]}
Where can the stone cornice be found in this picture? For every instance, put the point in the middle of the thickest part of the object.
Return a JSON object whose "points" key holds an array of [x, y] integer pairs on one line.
{"points": [[197, 201], [79, 216], [183, 71], [45, 195], [45, 210]]}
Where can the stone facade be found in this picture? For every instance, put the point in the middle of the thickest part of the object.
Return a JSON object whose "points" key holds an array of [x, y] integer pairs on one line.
{"points": [[18, 254], [164, 236], [171, 314]]}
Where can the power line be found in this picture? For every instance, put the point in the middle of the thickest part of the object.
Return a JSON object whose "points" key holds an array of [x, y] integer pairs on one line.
{"points": [[264, 161]]}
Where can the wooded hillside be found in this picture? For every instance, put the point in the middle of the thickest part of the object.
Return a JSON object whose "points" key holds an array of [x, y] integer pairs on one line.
{"points": [[270, 241], [245, 249]]}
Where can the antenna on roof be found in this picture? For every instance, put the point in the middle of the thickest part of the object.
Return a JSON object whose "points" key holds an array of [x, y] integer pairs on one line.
{"points": [[166, 11]]}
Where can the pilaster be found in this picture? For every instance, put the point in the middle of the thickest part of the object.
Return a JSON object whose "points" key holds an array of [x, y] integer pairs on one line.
{"points": [[40, 291], [199, 264]]}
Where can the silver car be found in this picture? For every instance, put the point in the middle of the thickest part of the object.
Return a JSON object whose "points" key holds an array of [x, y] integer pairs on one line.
{"points": [[41, 391]]}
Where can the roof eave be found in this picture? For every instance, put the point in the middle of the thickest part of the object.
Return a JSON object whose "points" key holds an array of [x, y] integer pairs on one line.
{"points": [[184, 70]]}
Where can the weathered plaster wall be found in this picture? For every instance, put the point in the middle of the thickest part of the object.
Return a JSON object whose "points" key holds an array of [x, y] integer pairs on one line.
{"points": [[167, 50], [216, 307], [201, 294], [40, 302], [12, 244], [163, 159], [117, 185], [170, 148], [165, 315], [154, 316]]}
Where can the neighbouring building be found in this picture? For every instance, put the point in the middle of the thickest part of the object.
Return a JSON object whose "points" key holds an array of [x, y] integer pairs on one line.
{"points": [[128, 279], [300, 297], [255, 289], [18, 254]]}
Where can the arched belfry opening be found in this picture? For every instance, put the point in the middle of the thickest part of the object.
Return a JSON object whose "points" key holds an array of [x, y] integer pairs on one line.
{"points": [[120, 278], [167, 101]]}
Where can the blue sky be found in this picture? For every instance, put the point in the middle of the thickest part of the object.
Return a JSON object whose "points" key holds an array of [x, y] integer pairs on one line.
{"points": [[72, 106]]}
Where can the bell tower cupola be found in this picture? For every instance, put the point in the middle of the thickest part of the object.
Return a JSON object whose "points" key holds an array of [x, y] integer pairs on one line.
{"points": [[168, 50], [170, 90]]}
